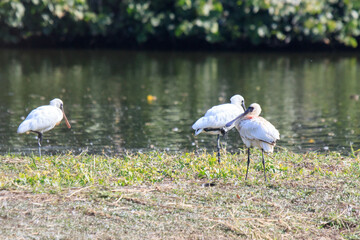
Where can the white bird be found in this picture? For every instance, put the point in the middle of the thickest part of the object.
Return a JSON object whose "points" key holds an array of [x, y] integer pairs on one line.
{"points": [[43, 119], [214, 120], [255, 131]]}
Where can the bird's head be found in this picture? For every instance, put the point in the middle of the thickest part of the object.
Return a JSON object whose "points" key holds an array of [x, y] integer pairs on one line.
{"points": [[238, 100], [56, 102], [253, 110]]}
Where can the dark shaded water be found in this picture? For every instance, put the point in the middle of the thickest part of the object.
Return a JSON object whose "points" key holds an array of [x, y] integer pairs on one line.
{"points": [[306, 96]]}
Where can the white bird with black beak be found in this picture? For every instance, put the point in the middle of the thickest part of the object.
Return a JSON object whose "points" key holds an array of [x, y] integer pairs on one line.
{"points": [[255, 131], [43, 119], [215, 119]]}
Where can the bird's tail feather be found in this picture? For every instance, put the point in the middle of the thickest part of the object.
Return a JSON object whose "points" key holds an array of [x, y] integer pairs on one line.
{"points": [[198, 131], [24, 127]]}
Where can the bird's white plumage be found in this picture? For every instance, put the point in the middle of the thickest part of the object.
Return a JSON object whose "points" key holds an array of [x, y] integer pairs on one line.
{"points": [[217, 116], [256, 131], [43, 118]]}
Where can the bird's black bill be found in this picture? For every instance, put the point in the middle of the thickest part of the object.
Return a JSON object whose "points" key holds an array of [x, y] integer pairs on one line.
{"points": [[229, 124]]}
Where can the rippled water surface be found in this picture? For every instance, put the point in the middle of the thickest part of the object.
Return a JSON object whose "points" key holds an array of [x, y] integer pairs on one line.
{"points": [[138, 101]]}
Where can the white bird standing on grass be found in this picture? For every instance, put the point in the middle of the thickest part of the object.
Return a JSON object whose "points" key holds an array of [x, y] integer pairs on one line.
{"points": [[43, 119], [255, 131], [215, 119]]}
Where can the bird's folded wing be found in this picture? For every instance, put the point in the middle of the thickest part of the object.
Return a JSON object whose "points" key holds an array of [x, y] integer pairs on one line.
{"points": [[41, 118], [259, 129], [217, 116]]}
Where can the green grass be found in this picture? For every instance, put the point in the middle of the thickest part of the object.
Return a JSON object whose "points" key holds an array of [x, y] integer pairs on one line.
{"points": [[161, 195]]}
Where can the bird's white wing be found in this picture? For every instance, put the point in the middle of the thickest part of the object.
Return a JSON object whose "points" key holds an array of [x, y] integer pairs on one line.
{"points": [[41, 119], [258, 128], [218, 116]]}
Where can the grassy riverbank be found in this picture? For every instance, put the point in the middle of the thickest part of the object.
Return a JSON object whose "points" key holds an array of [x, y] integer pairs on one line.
{"points": [[188, 195]]}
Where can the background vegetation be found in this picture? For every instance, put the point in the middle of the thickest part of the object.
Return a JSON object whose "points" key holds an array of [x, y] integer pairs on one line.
{"points": [[181, 23]]}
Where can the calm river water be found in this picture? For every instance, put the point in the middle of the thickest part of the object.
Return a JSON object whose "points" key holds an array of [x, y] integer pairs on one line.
{"points": [[138, 101]]}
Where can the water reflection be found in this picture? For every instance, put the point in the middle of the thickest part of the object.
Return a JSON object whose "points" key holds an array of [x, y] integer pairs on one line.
{"points": [[306, 96]]}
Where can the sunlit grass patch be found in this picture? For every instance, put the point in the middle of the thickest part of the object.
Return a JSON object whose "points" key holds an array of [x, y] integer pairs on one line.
{"points": [[307, 196], [64, 171]]}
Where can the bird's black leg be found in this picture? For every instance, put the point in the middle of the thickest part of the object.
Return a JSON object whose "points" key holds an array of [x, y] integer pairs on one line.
{"points": [[39, 142], [248, 163], [263, 161], [218, 147]]}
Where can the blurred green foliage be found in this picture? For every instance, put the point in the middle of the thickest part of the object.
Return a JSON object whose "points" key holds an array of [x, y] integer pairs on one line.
{"points": [[226, 23]]}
